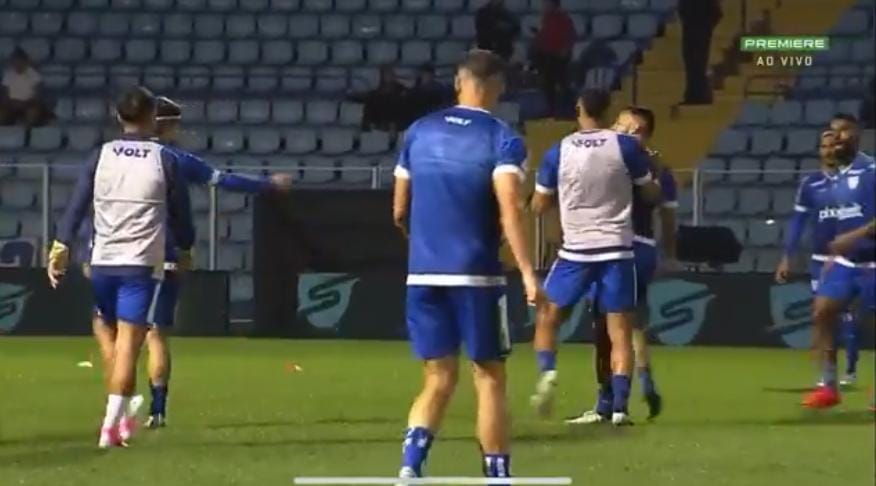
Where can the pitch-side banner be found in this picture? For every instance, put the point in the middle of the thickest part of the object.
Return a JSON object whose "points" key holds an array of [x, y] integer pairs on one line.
{"points": [[702, 309]]}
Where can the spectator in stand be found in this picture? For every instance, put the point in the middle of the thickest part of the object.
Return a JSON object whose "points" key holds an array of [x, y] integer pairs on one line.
{"points": [[384, 105], [552, 52], [427, 95], [698, 21], [20, 97], [496, 28], [596, 66]]}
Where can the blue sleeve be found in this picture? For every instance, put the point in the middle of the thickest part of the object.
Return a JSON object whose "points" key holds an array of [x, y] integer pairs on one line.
{"points": [[197, 171], [635, 158], [803, 200], [403, 166], [548, 172], [179, 206], [510, 151], [669, 189], [80, 203], [796, 226]]}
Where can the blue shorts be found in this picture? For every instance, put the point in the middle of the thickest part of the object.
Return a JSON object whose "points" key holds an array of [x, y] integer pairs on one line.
{"points": [[131, 298], [844, 283], [611, 284], [645, 256], [168, 296], [439, 319]]}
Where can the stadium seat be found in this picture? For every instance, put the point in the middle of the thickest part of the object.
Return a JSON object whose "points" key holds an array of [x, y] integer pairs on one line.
{"points": [[311, 52], [277, 52], [416, 5], [90, 110], [351, 6], [730, 142], [801, 142], [334, 26], [228, 78], [366, 26], [448, 6], [81, 23], [240, 228], [819, 112], [779, 170], [642, 26], [316, 5], [753, 200], [319, 169], [272, 26], [287, 112], [200, 197], [255, 112], [194, 78], [737, 226], [868, 140], [106, 50], [767, 260], [209, 26], [347, 52], [607, 26], [351, 114], [140, 51], [64, 109], [240, 26], [263, 141], [862, 51], [685, 203], [44, 23], [231, 257], [398, 26], [321, 112], [193, 111], [766, 142], [786, 113], [89, 77], [746, 263], [222, 111], [146, 25], [809, 165], [82, 138], [300, 140], [382, 52], [57, 4], [431, 27], [125, 4], [208, 52], [337, 141], [383, 5], [357, 170], [227, 140], [17, 196], [853, 22], [449, 52], [225, 5], [177, 25], [764, 232], [113, 24], [55, 77], [852, 107], [416, 53], [783, 201], [60, 196], [175, 51], [304, 26], [158, 5], [744, 170], [243, 52], [509, 111], [8, 225], [45, 138], [713, 169], [719, 200], [373, 142], [839, 52], [462, 27], [68, 50], [754, 113]]}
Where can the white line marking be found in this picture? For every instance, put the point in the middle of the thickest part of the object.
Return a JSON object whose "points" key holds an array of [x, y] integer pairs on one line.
{"points": [[343, 481]]}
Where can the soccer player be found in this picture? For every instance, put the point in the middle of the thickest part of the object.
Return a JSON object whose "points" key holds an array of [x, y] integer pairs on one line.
{"points": [[848, 131], [592, 173], [638, 122], [457, 189], [847, 277], [137, 192], [195, 171]]}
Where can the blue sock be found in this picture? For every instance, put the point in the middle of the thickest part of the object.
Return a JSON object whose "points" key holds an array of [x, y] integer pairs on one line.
{"points": [[620, 385], [828, 373], [159, 399], [415, 448], [605, 400], [646, 381], [547, 360], [849, 332], [497, 465]]}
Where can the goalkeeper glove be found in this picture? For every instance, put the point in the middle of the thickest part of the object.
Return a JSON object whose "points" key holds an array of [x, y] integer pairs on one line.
{"points": [[59, 259]]}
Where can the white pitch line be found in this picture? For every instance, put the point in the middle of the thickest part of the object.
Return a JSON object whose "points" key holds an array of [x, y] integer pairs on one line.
{"points": [[347, 481]]}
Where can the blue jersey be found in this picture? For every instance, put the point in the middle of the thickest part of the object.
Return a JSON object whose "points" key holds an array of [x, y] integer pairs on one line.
{"points": [[450, 157], [643, 211], [813, 203], [863, 160], [854, 194]]}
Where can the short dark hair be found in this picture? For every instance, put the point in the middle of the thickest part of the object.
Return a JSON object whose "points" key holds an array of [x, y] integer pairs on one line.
{"points": [[20, 54], [645, 114], [482, 64], [595, 102], [845, 117], [136, 105], [167, 110]]}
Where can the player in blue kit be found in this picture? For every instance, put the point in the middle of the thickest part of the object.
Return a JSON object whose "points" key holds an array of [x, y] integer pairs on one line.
{"points": [[591, 173], [640, 123], [846, 277], [137, 193], [457, 190]]}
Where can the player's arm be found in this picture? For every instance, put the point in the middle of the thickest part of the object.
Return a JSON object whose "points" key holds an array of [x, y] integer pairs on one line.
{"points": [[401, 193], [639, 165], [197, 171], [668, 214], [179, 206], [796, 227], [845, 242], [80, 203], [545, 195]]}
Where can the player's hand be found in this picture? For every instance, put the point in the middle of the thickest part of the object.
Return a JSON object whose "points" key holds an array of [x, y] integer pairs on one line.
{"points": [[281, 182], [532, 288], [184, 260], [59, 259], [783, 271]]}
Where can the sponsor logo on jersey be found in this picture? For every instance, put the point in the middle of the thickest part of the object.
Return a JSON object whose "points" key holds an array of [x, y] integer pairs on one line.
{"points": [[791, 310], [841, 213], [323, 298], [140, 153], [589, 142], [457, 120], [677, 310], [13, 299]]}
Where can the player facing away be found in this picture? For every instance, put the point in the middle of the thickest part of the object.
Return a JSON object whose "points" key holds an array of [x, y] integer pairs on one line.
{"points": [[136, 191], [457, 191], [638, 122], [847, 277], [195, 171], [591, 173]]}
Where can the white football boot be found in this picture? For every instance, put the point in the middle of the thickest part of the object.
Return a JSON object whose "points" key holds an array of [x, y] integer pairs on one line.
{"points": [[545, 388]]}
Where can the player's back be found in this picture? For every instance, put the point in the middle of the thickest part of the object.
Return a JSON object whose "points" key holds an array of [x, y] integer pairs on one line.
{"points": [[451, 157], [130, 204]]}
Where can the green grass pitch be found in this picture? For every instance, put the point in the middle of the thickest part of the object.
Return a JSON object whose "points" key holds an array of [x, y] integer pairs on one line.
{"points": [[239, 416]]}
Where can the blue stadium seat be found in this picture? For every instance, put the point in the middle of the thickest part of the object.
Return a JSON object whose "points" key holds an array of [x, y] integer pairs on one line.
{"points": [[60, 196], [57, 4], [262, 79], [431, 27], [56, 77], [416, 5], [642, 26], [764, 232], [767, 260], [517, 6], [809, 165], [713, 169], [223, 5], [272, 26], [382, 5], [862, 51], [262, 5], [348, 6], [177, 25], [336, 141], [89, 77], [783, 201], [819, 112], [90, 110], [45, 23], [316, 5], [334, 26], [319, 169], [766, 142], [463, 27], [604, 5], [382, 52], [853, 22], [447, 6], [719, 200], [193, 111], [737, 226], [868, 140], [175, 51], [312, 52], [38, 48], [125, 4], [300, 140], [277, 52], [240, 228], [200, 197], [222, 111], [231, 257], [754, 113], [68, 50], [811, 83], [753, 200], [140, 51], [373, 142], [82, 138], [45, 138], [255, 111], [685, 202], [850, 106], [286, 112], [209, 26], [731, 142], [263, 141], [106, 50], [779, 170], [146, 24], [801, 142], [194, 139], [64, 109], [240, 26], [744, 170], [347, 52], [746, 263], [607, 26], [786, 113], [449, 52], [193, 78], [366, 26], [208, 52], [113, 24], [416, 53], [8, 225], [304, 26], [357, 170], [158, 5], [17, 196], [227, 140], [350, 114], [398, 26], [13, 23], [321, 112], [243, 52], [228, 78]]}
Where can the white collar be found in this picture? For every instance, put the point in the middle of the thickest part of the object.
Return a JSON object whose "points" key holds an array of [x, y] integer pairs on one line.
{"points": [[473, 108]]}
